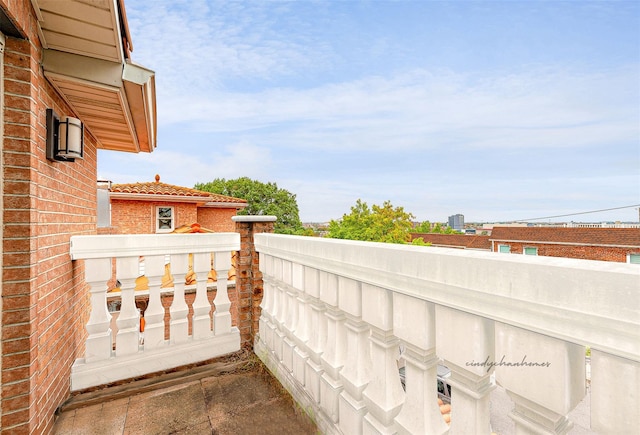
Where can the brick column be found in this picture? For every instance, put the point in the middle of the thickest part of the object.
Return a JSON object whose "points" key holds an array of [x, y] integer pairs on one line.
{"points": [[248, 276]]}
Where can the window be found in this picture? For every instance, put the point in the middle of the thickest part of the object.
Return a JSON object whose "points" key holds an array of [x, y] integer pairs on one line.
{"points": [[633, 258], [530, 251], [164, 219], [504, 248]]}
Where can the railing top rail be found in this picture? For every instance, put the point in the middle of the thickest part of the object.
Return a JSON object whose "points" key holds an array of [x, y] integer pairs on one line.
{"points": [[586, 302], [130, 245]]}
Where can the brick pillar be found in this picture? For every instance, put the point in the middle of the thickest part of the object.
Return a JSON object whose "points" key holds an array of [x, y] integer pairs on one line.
{"points": [[248, 276]]}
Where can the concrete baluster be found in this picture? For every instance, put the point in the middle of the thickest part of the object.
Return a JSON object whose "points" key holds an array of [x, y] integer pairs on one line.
{"points": [[179, 325], [99, 343], [301, 337], [544, 376], [222, 315], [267, 325], [318, 333], [127, 339], [201, 305], [335, 350], [154, 314], [470, 372], [615, 394], [281, 309], [290, 314], [291, 320], [420, 412], [383, 395], [356, 372]]}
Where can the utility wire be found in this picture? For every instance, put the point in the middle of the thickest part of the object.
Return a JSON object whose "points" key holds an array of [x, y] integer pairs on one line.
{"points": [[576, 214]]}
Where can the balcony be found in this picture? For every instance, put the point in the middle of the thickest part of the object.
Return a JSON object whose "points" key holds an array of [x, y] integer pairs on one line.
{"points": [[336, 314]]}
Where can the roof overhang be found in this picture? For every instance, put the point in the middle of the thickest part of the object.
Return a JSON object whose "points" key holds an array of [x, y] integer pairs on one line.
{"points": [[236, 205], [86, 46], [156, 197], [200, 201]]}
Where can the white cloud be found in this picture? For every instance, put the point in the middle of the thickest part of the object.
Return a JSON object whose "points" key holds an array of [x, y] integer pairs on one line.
{"points": [[423, 110], [287, 92], [187, 169]]}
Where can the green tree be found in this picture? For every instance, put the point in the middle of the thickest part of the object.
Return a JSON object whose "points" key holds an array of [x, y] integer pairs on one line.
{"points": [[376, 224], [420, 242], [262, 199], [423, 228], [426, 227]]}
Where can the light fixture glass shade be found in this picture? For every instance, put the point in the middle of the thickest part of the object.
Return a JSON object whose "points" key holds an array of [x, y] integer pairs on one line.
{"points": [[70, 138]]}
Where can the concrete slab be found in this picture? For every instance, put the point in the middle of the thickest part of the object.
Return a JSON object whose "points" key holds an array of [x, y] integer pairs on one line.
{"points": [[251, 403], [245, 401]]}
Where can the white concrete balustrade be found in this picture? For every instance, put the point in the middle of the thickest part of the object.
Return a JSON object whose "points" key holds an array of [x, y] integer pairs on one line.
{"points": [[191, 338], [335, 314]]}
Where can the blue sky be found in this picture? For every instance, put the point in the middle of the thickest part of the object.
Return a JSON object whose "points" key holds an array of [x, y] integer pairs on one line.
{"points": [[499, 110]]}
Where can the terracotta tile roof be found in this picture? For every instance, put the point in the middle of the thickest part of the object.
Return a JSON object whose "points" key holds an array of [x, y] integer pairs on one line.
{"points": [[455, 240], [583, 236], [193, 228], [158, 188]]}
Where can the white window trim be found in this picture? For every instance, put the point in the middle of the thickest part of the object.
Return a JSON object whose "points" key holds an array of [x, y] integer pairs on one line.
{"points": [[524, 250], [500, 250], [629, 257], [157, 219]]}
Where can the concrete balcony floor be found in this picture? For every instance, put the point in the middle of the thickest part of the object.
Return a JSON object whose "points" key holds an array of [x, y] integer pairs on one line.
{"points": [[231, 395], [224, 397]]}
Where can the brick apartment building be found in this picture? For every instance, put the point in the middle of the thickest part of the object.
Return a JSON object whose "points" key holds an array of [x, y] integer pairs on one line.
{"points": [[460, 241], [73, 58], [157, 207], [603, 244]]}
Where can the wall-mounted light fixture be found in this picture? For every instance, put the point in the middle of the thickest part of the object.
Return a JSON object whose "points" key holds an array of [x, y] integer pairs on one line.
{"points": [[65, 138]]}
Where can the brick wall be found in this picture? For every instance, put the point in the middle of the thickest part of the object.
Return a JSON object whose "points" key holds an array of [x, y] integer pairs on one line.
{"points": [[217, 219], [138, 217], [249, 286], [44, 299], [600, 253]]}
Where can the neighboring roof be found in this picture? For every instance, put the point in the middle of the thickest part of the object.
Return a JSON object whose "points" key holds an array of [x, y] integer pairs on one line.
{"points": [[455, 240], [193, 228], [621, 237], [168, 192], [86, 57]]}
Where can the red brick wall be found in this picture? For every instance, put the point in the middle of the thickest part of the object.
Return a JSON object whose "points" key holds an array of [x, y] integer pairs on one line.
{"points": [[217, 219], [600, 253], [138, 217], [249, 285], [44, 299]]}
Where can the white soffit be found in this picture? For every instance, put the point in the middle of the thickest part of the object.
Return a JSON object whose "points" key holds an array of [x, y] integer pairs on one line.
{"points": [[84, 60], [86, 27]]}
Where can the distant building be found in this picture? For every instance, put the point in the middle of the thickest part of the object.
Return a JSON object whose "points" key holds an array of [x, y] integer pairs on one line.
{"points": [[604, 244], [459, 241], [456, 222]]}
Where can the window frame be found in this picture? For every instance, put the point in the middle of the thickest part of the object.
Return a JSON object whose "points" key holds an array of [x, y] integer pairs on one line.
{"points": [[500, 246], [157, 219], [633, 254], [524, 250]]}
